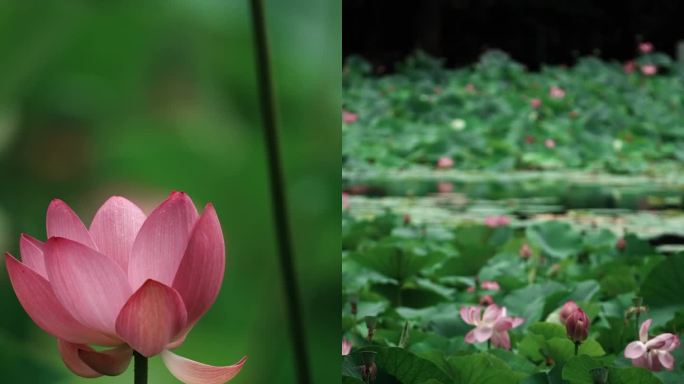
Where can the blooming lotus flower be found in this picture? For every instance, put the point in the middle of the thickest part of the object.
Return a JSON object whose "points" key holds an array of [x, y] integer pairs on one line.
{"points": [[556, 92], [131, 282], [493, 324], [445, 162], [568, 308], [550, 143], [646, 47], [349, 117], [652, 354], [649, 69], [346, 346], [577, 325], [535, 103]]}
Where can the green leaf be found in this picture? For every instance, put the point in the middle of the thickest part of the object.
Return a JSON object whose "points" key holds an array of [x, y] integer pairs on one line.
{"points": [[562, 349], [556, 238], [662, 289], [396, 259], [406, 366], [482, 368], [631, 375], [577, 370]]}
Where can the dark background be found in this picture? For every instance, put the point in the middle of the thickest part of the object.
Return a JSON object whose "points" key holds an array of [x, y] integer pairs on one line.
{"points": [[531, 31]]}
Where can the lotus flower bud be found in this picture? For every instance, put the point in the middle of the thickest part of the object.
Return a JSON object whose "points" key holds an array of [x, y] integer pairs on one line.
{"points": [[445, 162], [577, 326], [486, 300], [407, 219], [568, 308], [354, 304], [525, 252], [620, 244], [370, 324], [346, 346]]}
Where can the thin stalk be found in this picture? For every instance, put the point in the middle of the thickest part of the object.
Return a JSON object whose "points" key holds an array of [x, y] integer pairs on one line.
{"points": [[577, 345], [636, 325], [270, 126], [140, 368], [489, 344]]}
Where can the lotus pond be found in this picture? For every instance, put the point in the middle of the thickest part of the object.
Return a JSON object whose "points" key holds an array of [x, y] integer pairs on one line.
{"points": [[432, 255]]}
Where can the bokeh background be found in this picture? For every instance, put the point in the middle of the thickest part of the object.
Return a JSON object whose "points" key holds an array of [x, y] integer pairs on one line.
{"points": [[142, 98]]}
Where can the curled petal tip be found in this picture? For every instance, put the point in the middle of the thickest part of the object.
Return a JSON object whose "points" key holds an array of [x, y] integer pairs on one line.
{"points": [[192, 372]]}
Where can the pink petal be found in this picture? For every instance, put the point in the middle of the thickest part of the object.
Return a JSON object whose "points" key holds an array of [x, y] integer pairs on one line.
{"points": [[152, 317], [664, 341], [470, 337], [62, 221], [491, 313], [666, 360], [503, 324], [516, 321], [90, 285], [471, 315], [192, 372], [635, 349], [110, 362], [115, 227], [69, 353], [36, 296], [32, 254], [200, 273], [483, 333], [159, 247], [643, 331], [501, 340]]}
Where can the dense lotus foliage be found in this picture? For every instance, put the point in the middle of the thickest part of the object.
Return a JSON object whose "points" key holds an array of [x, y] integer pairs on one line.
{"points": [[446, 279], [495, 114]]}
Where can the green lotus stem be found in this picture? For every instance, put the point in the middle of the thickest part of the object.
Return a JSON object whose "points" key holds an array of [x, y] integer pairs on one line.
{"points": [[270, 127], [140, 368], [577, 345]]}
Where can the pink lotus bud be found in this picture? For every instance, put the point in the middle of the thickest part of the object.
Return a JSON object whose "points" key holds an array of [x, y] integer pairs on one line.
{"points": [[470, 88], [445, 187], [573, 114], [525, 252], [529, 139], [568, 308], [550, 143], [556, 92], [490, 285], [407, 219], [621, 244], [486, 300], [346, 346], [349, 117], [535, 103], [444, 162], [577, 325], [629, 67], [470, 289], [345, 200], [649, 69], [133, 281], [645, 47], [496, 221]]}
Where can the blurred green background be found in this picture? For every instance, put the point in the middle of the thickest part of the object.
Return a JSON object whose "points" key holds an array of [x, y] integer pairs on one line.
{"points": [[140, 98]]}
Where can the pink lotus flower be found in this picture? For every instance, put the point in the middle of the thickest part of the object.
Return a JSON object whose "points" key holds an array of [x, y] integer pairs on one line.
{"points": [[493, 324], [556, 92], [445, 162], [568, 308], [535, 103], [653, 354], [645, 47], [550, 143], [629, 67], [346, 346], [649, 69], [349, 117], [496, 221], [130, 281], [345, 200]]}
